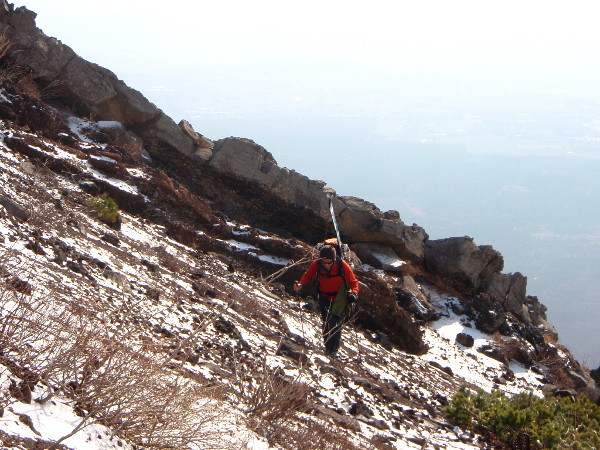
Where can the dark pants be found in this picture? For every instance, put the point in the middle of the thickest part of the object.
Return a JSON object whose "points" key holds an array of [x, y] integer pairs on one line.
{"points": [[332, 326]]}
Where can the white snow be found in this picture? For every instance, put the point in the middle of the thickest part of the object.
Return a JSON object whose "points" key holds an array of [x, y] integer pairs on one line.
{"points": [[108, 124], [363, 356], [3, 96]]}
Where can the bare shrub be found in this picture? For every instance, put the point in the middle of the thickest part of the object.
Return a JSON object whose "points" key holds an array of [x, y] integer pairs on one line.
{"points": [[28, 86], [5, 44], [8, 69], [271, 398], [142, 396], [306, 433]]}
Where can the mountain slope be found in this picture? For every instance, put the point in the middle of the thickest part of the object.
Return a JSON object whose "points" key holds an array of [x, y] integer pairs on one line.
{"points": [[172, 323], [245, 345]]}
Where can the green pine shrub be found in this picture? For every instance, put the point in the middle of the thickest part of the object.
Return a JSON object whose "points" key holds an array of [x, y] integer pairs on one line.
{"points": [[106, 208], [549, 422]]}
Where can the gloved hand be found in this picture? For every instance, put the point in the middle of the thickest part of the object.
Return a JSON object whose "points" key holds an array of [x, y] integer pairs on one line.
{"points": [[352, 297]]}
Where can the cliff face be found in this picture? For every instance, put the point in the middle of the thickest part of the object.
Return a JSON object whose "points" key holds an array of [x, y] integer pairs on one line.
{"points": [[199, 193]]}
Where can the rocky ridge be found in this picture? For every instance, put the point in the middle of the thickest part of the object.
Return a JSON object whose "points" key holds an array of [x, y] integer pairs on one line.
{"points": [[178, 180]]}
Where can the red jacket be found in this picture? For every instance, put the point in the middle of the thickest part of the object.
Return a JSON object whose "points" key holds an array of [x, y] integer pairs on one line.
{"points": [[329, 281]]}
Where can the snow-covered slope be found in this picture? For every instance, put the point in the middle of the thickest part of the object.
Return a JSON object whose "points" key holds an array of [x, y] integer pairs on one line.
{"points": [[127, 337]]}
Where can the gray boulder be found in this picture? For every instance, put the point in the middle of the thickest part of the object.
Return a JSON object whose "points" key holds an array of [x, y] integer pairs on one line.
{"points": [[412, 298], [246, 159], [510, 291], [459, 259], [199, 141], [14, 209], [363, 222]]}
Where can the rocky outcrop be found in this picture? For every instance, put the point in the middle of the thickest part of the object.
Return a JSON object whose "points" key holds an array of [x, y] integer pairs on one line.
{"points": [[460, 260], [361, 222], [476, 270], [93, 89], [510, 291], [250, 161], [88, 87]]}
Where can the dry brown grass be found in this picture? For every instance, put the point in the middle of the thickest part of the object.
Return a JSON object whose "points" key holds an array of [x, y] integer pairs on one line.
{"points": [[54, 346], [8, 69]]}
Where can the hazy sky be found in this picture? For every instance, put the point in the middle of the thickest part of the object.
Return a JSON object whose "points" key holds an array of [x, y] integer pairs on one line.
{"points": [[382, 33]]}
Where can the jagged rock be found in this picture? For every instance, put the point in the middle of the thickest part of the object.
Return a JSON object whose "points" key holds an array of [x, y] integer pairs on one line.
{"points": [[509, 290], [199, 141], [411, 298], [490, 315], [14, 209], [465, 340], [537, 312], [244, 158], [392, 214], [363, 222], [292, 351], [458, 258], [493, 352]]}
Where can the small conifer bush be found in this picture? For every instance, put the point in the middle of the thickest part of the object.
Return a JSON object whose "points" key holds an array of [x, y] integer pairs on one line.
{"points": [[548, 422], [106, 207]]}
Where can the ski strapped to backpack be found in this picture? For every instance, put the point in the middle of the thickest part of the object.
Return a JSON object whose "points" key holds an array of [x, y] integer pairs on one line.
{"points": [[335, 225], [341, 301], [342, 249]]}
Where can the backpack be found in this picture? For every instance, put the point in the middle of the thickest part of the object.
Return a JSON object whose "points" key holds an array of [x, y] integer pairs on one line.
{"points": [[343, 252]]}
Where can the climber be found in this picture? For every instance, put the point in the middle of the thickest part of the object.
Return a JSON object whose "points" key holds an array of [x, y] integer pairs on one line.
{"points": [[337, 289]]}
